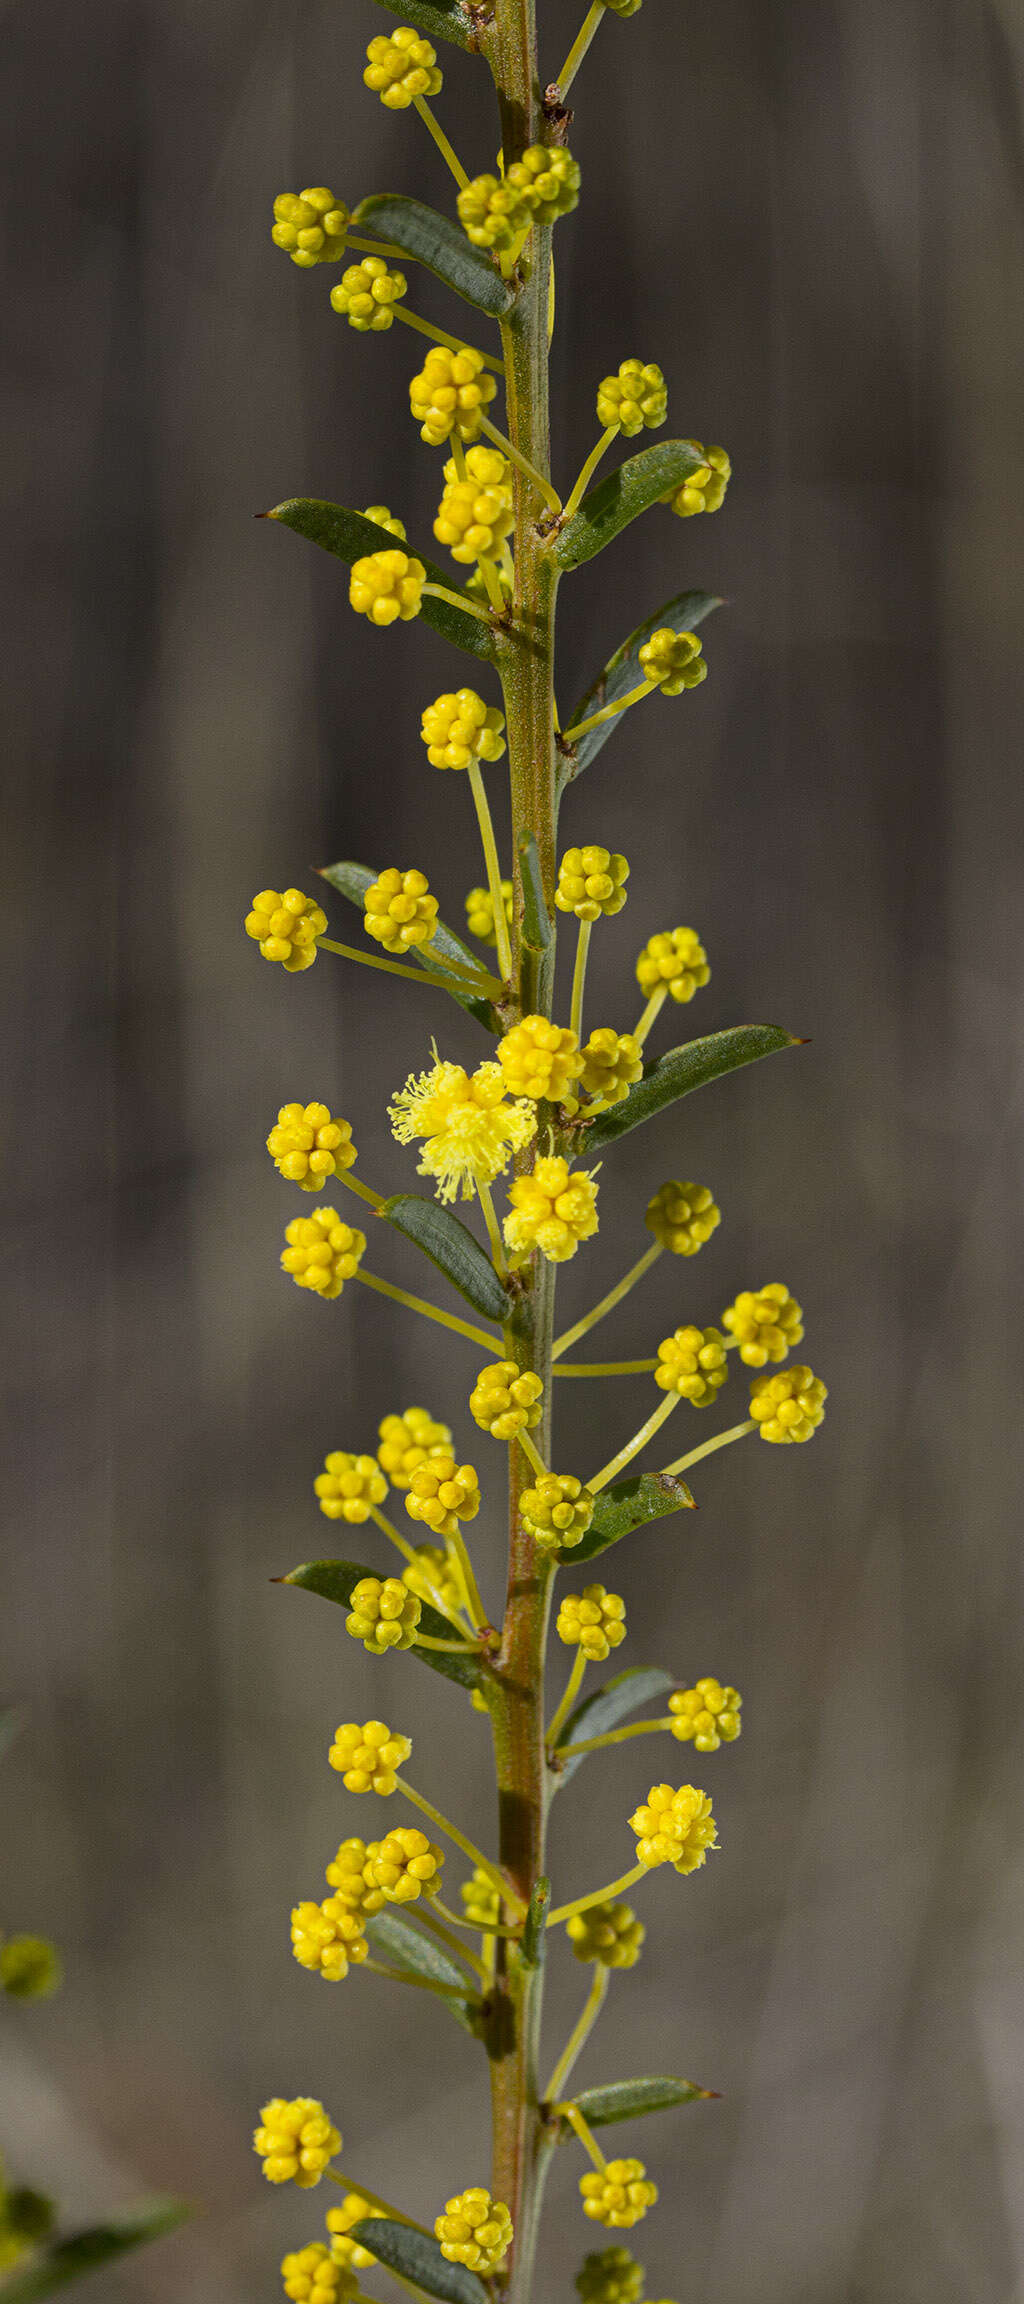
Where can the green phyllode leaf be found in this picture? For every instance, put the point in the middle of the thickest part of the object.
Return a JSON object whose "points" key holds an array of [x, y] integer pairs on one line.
{"points": [[684, 1069], [70, 2259], [533, 1947], [441, 244], [353, 880], [408, 1948], [538, 928], [440, 19], [642, 481], [454, 1251], [622, 672], [626, 1506], [631, 2099], [337, 1579], [417, 2256], [350, 536], [642, 1684]]}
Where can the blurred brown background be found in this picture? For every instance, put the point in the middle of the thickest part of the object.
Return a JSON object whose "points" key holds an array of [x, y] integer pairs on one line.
{"points": [[812, 213]]}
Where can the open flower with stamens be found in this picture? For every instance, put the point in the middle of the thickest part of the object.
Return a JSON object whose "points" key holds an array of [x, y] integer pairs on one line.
{"points": [[470, 1127]]}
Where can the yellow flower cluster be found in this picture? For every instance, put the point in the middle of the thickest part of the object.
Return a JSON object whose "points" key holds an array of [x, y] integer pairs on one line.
{"points": [[461, 727], [286, 927], [399, 910], [707, 1715], [547, 181], [553, 1209], [675, 958], [450, 393], [311, 2276], [476, 514], [328, 1938], [480, 911], [492, 212], [635, 398], [789, 1406], [387, 585], [619, 2195], [594, 1620], [307, 1145], [504, 1402], [295, 2140], [310, 226], [404, 1866], [383, 517], [557, 1510], [349, 1486], [432, 1577], [703, 490], [612, 1062], [539, 1059], [442, 1493], [591, 881], [481, 1901], [674, 660], [30, 1967], [609, 1934], [624, 7], [765, 1322], [384, 1614], [692, 1362], [339, 2221], [475, 2230], [674, 1828], [367, 1757], [401, 68], [682, 1217], [322, 1252], [367, 293], [406, 1441], [613, 2276], [469, 1127], [346, 1874]]}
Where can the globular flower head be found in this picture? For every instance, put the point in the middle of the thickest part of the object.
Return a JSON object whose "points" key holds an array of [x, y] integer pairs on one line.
{"points": [[367, 293], [442, 1493], [30, 1968], [553, 1209], [789, 1406], [608, 1934], [547, 181], [476, 513], [311, 2276], [387, 585], [469, 1127], [367, 1757], [707, 1715], [675, 958], [286, 927], [624, 7], [557, 1510], [480, 912], [384, 1614], [399, 910], [619, 2195], [674, 1828], [450, 393], [459, 728], [349, 1486], [692, 1362], [591, 881], [401, 67], [408, 1440], [612, 1063], [383, 517], [475, 2230], [295, 2140], [481, 1901], [404, 1866], [682, 1217], [674, 660], [634, 399], [766, 1323], [432, 1577], [349, 2253], [704, 489], [539, 1059], [310, 226], [505, 1400], [493, 212], [322, 1251], [346, 1874], [613, 2276], [307, 1145], [328, 1938], [594, 1620]]}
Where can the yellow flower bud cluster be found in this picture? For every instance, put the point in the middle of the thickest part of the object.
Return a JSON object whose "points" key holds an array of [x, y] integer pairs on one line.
{"points": [[383, 517], [387, 585], [307, 1145], [707, 1715], [608, 1934], [481, 1901], [504, 1402], [450, 393], [468, 1125], [367, 1757], [432, 1577], [553, 1209], [674, 660], [674, 1828], [367, 293], [682, 1217], [406, 1441], [30, 1967], [765, 1322], [594, 1620], [613, 2276], [295, 2140], [311, 2276], [286, 927], [349, 1486], [703, 490], [310, 226], [789, 1406], [547, 181], [591, 881], [399, 910], [692, 1362], [492, 212], [475, 2230], [624, 7], [384, 1614], [480, 911], [442, 1493], [328, 1938], [539, 1059], [322, 1252], [476, 514], [339, 2221], [346, 1874], [619, 2195], [404, 1866], [676, 958], [635, 398], [612, 1062], [461, 727], [401, 68], [557, 1510]]}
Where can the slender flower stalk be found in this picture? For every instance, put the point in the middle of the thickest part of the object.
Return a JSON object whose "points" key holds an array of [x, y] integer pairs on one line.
{"points": [[608, 1304], [580, 2034], [572, 1689], [610, 711], [429, 1311], [492, 868], [597, 1896], [580, 46], [437, 1600], [579, 978], [427, 328], [633, 1447], [373, 2199], [604, 1368], [522, 463], [615, 1736], [447, 152], [608, 436], [650, 1014], [480, 983], [710, 1447], [452, 1832]]}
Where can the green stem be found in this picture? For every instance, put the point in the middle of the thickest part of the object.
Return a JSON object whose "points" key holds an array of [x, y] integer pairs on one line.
{"points": [[532, 1454], [530, 472], [514, 1935], [607, 1304], [598, 1895], [633, 1447], [593, 460], [615, 1736], [429, 1311], [451, 1831], [589, 2142], [579, 978], [457, 600], [493, 869], [450, 1647], [580, 2033], [446, 150], [365, 1191], [605, 1368], [498, 1257], [611, 711], [651, 1013], [722, 1440], [477, 1611], [440, 335], [460, 977], [579, 1666], [580, 45]]}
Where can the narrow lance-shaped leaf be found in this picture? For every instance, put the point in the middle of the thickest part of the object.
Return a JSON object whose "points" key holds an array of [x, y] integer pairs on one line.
{"points": [[626, 1506], [535, 1926], [406, 1947], [631, 2099], [642, 481], [441, 244], [337, 1579], [622, 672], [417, 2256], [454, 1251], [610, 1705], [70, 2259], [350, 536], [683, 1070], [538, 928], [440, 19], [353, 880]]}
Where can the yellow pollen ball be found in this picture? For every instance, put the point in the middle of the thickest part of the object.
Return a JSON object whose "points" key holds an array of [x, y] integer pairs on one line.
{"points": [[459, 728], [674, 660], [310, 226], [408, 1440], [611, 2276], [591, 881], [553, 1209], [295, 2140], [404, 1866], [386, 586], [609, 1935], [475, 2230], [504, 1401], [704, 489], [384, 1614], [539, 1059], [593, 1620], [674, 1828], [402, 67], [557, 1510], [707, 1715], [634, 399], [765, 1323], [286, 927], [367, 1757], [367, 293], [399, 910], [312, 2276], [322, 1251], [469, 1127], [676, 958], [619, 2195], [480, 912], [349, 1487], [307, 1145], [682, 1217], [692, 1362], [450, 394], [349, 2253], [442, 1493], [789, 1406], [328, 1938]]}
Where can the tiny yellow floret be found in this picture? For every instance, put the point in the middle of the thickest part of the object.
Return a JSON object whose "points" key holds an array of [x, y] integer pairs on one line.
{"points": [[30, 1968], [346, 1874], [553, 1209], [480, 911], [449, 394], [692, 1362], [459, 728], [404, 1866], [609, 1935], [310, 226], [367, 1757], [707, 1715], [387, 585], [432, 1577], [328, 1938], [492, 212], [481, 1901], [789, 1406], [367, 293], [402, 67], [349, 1486], [442, 1493], [634, 399], [676, 958], [594, 1620], [702, 490], [682, 1217], [766, 1323], [505, 1401], [322, 1251], [383, 517], [312, 2276], [469, 1127], [384, 1614], [674, 1828], [557, 1510], [476, 514], [349, 2253], [613, 2276], [674, 660], [475, 2230], [591, 881], [612, 1063], [539, 1059], [399, 910], [308, 1145], [618, 2196], [295, 2140], [408, 1440], [286, 927], [547, 181]]}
